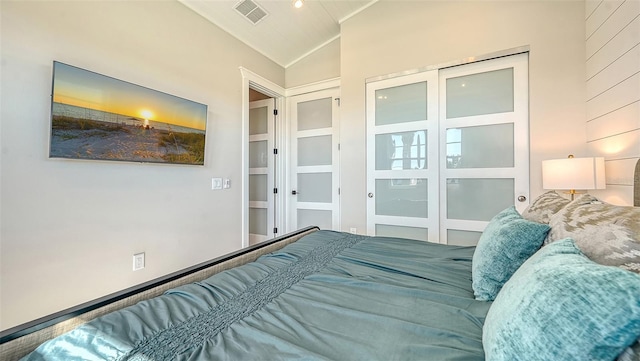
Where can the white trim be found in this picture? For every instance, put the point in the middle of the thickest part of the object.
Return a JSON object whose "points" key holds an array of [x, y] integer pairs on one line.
{"points": [[258, 137], [400, 222], [313, 87], [314, 133], [261, 84], [449, 64], [410, 126], [312, 51], [315, 206], [340, 21], [267, 87], [315, 168], [466, 225]]}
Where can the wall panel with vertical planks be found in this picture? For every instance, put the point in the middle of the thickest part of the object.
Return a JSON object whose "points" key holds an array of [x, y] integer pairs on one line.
{"points": [[612, 32]]}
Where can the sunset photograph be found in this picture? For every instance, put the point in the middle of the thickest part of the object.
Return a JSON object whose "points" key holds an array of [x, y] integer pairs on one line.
{"points": [[98, 117]]}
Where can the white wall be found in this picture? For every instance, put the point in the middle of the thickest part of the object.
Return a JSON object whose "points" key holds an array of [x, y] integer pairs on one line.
{"points": [[612, 35], [395, 36], [322, 64], [69, 228]]}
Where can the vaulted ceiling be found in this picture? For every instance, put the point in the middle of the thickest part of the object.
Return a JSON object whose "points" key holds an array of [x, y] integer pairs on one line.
{"points": [[276, 28]]}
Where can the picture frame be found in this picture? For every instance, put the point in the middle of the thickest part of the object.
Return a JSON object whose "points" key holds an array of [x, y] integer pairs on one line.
{"points": [[97, 117]]}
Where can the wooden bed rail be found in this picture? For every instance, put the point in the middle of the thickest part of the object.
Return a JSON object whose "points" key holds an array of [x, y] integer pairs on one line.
{"points": [[18, 341]]}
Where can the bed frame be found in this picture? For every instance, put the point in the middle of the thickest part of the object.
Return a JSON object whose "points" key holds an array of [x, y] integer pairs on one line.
{"points": [[18, 341], [636, 186]]}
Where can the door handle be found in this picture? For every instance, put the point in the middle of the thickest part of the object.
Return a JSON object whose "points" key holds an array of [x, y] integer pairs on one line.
{"points": [[522, 198], [370, 195], [294, 192]]}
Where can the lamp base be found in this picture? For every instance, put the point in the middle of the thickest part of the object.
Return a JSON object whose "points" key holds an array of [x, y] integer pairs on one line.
{"points": [[573, 193]]}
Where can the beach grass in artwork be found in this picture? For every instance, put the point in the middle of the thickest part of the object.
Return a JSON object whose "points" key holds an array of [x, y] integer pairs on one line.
{"points": [[98, 117]]}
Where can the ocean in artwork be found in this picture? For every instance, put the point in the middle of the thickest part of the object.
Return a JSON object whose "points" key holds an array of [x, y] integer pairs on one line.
{"points": [[84, 133]]}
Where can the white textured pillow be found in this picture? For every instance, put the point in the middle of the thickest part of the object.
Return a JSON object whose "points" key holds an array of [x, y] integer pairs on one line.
{"points": [[607, 234], [545, 206]]}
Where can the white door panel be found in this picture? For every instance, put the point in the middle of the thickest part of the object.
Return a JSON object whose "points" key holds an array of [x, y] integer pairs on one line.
{"points": [[484, 142], [314, 159], [402, 161], [261, 170]]}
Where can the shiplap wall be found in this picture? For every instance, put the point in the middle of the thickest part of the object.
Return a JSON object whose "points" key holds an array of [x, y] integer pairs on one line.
{"points": [[613, 92]]}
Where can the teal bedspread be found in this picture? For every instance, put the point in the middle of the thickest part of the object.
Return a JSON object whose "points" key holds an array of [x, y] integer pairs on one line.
{"points": [[328, 296]]}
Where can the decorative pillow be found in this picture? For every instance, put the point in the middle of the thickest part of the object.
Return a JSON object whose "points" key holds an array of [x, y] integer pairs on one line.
{"points": [[504, 245], [562, 306], [607, 234], [544, 207]]}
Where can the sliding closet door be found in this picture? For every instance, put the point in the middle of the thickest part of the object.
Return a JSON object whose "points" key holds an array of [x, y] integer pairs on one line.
{"points": [[314, 184], [447, 150], [261, 170], [402, 162], [484, 144]]}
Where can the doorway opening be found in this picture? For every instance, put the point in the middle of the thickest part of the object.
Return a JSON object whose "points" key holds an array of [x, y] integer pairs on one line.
{"points": [[262, 168], [262, 161]]}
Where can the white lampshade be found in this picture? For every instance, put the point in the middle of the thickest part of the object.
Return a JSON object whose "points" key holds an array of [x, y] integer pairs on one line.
{"points": [[573, 173]]}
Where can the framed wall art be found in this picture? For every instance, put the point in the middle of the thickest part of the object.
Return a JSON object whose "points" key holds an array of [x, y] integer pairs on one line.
{"points": [[97, 117]]}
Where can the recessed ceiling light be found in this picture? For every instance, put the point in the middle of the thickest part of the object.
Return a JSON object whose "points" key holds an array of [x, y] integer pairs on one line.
{"points": [[298, 4]]}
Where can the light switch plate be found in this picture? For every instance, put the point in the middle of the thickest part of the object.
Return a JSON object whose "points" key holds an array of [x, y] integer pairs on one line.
{"points": [[216, 183]]}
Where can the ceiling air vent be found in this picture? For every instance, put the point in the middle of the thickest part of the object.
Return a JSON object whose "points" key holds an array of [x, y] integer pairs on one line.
{"points": [[251, 11]]}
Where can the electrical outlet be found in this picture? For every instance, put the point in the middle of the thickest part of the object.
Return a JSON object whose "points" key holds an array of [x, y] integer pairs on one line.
{"points": [[138, 261], [353, 230]]}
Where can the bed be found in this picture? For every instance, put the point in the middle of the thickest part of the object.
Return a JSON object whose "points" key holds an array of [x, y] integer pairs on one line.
{"points": [[328, 295], [559, 282]]}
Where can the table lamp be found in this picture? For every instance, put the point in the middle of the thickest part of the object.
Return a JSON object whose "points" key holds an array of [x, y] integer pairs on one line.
{"points": [[572, 173]]}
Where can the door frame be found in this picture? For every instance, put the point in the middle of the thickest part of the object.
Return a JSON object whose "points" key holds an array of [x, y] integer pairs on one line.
{"points": [[251, 80]]}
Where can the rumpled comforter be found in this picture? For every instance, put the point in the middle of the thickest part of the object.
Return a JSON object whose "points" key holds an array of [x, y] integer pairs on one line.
{"points": [[328, 296]]}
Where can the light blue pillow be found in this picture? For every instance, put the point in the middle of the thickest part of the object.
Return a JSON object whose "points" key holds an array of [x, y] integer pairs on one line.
{"points": [[562, 306], [507, 241]]}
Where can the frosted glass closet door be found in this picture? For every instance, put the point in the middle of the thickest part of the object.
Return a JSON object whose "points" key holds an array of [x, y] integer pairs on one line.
{"points": [[402, 163], [261, 172], [484, 142], [314, 191]]}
